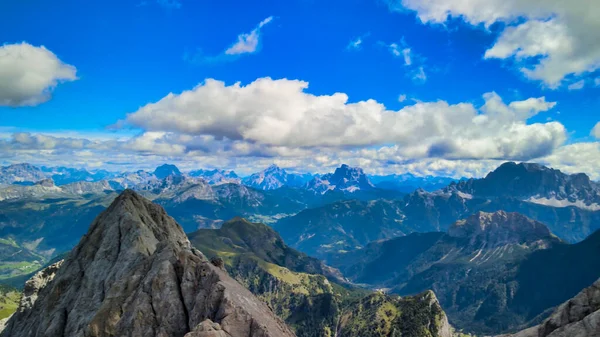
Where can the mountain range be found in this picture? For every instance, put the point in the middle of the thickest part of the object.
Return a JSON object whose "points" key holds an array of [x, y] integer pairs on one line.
{"points": [[500, 252], [135, 273], [492, 271]]}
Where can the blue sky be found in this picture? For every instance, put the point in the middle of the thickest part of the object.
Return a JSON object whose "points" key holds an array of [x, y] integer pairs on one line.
{"points": [[127, 54]]}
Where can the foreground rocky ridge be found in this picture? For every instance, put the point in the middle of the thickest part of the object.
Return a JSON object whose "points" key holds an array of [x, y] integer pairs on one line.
{"points": [[134, 273], [578, 317]]}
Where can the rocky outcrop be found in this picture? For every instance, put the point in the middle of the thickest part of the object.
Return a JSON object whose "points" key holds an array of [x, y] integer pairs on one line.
{"points": [[35, 284], [135, 274], [384, 315], [501, 228], [208, 329], [578, 317]]}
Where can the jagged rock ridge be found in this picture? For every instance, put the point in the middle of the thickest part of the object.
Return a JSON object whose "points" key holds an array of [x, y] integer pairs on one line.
{"points": [[135, 274]]}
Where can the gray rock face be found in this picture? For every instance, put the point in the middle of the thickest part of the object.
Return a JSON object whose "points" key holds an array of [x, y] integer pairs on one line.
{"points": [[135, 274], [578, 317], [208, 329]]}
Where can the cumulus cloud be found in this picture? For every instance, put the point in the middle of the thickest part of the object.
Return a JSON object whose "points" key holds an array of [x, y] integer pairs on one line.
{"points": [[28, 74], [248, 42], [550, 39], [279, 113], [402, 98], [576, 158], [596, 131]]}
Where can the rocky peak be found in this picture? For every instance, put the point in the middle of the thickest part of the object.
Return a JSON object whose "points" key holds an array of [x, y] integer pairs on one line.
{"points": [[501, 228], [345, 178], [134, 273], [271, 178], [274, 168], [48, 182], [166, 170], [537, 182]]}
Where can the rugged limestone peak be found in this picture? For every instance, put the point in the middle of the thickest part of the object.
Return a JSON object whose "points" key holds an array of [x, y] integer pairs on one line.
{"points": [[346, 173], [344, 178], [166, 170], [135, 274], [500, 228], [529, 180], [271, 178], [578, 317]]}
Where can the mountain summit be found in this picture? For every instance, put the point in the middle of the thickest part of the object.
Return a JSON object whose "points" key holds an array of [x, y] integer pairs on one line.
{"points": [[536, 183], [135, 274], [166, 170], [345, 178], [499, 229], [274, 177]]}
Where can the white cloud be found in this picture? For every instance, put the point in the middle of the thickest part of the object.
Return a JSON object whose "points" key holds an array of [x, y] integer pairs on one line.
{"points": [[406, 54], [576, 158], [248, 42], [418, 75], [28, 74], [355, 44], [395, 49], [402, 98], [550, 39], [577, 85], [398, 51], [279, 113], [596, 131]]}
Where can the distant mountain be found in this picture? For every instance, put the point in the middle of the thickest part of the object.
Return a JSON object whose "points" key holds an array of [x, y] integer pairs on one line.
{"points": [[319, 231], [274, 177], [66, 175], [345, 178], [135, 273], [215, 176], [20, 173], [227, 201], [166, 170], [341, 226], [409, 182], [46, 188], [492, 272], [537, 184]]}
